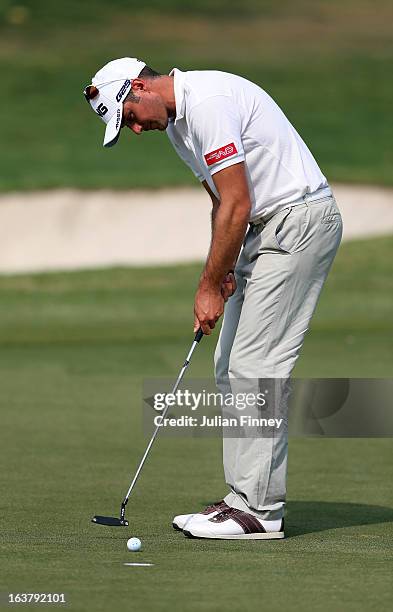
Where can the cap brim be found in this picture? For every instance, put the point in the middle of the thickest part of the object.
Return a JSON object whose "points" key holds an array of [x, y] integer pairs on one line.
{"points": [[113, 128]]}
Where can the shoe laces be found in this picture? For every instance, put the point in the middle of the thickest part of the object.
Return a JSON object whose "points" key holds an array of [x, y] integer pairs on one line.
{"points": [[224, 515], [213, 507]]}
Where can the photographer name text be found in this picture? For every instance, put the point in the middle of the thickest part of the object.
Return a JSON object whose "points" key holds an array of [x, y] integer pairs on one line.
{"points": [[216, 421]]}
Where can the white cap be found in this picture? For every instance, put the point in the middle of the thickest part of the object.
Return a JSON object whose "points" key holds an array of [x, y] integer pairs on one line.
{"points": [[113, 82]]}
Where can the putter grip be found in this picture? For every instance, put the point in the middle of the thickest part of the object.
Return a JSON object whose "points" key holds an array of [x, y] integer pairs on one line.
{"points": [[198, 335]]}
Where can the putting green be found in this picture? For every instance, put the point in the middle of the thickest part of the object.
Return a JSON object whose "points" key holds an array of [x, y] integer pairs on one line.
{"points": [[74, 351]]}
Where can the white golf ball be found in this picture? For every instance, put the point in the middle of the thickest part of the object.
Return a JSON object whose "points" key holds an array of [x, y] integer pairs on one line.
{"points": [[134, 544]]}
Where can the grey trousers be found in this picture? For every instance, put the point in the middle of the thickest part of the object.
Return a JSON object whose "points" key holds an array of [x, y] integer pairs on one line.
{"points": [[280, 274]]}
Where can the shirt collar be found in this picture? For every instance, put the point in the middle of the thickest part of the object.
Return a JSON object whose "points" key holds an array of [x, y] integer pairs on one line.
{"points": [[180, 98]]}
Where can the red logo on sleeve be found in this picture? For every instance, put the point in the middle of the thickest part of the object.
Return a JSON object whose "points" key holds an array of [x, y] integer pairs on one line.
{"points": [[219, 154]]}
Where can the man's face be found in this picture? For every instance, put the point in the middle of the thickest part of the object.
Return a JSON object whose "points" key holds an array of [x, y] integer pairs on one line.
{"points": [[148, 113]]}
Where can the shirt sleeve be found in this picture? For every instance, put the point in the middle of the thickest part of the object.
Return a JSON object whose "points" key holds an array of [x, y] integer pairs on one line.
{"points": [[215, 125]]}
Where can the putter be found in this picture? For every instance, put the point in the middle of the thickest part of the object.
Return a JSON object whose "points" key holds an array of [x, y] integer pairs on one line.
{"points": [[112, 521]]}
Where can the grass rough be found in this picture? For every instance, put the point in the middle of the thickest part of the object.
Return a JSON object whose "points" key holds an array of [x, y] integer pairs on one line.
{"points": [[326, 64]]}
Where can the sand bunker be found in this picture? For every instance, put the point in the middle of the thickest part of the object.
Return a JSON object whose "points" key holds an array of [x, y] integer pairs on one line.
{"points": [[70, 229]]}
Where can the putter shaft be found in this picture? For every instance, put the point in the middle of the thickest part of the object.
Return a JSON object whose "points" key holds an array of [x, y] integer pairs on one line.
{"points": [[198, 336]]}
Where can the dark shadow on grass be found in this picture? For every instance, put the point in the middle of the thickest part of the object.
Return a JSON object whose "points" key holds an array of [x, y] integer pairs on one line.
{"points": [[313, 516], [303, 517]]}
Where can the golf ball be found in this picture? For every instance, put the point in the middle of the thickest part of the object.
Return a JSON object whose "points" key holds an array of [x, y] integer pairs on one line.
{"points": [[134, 544]]}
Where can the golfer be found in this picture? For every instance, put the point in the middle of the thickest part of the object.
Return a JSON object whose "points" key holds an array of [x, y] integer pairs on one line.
{"points": [[275, 231]]}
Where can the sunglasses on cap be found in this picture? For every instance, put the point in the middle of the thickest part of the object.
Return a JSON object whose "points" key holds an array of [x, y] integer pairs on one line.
{"points": [[90, 92]]}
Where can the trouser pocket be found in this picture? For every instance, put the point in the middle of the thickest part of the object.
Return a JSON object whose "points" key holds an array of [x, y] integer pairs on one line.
{"points": [[286, 230]]}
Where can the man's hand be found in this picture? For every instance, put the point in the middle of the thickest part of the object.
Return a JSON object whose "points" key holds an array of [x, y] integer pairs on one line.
{"points": [[228, 286], [208, 307]]}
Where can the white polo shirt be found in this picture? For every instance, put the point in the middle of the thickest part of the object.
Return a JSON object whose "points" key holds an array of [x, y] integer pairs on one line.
{"points": [[223, 119]]}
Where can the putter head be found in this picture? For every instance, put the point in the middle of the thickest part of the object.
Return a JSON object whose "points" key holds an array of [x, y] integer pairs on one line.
{"points": [[110, 521]]}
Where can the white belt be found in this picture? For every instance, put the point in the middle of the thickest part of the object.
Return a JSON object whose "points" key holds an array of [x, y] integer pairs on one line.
{"points": [[324, 192]]}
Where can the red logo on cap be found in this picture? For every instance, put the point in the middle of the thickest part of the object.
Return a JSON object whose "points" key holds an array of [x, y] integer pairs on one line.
{"points": [[215, 156]]}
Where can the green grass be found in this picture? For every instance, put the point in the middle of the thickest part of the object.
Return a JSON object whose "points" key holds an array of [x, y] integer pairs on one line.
{"points": [[74, 350], [325, 62]]}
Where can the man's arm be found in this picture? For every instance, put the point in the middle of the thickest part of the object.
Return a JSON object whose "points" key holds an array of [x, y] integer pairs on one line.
{"points": [[228, 286], [214, 199], [230, 216]]}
